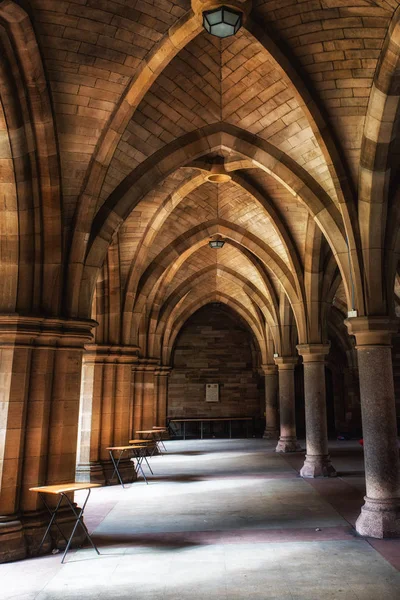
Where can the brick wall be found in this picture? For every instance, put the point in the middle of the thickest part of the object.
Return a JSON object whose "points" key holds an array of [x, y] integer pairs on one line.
{"points": [[214, 347]]}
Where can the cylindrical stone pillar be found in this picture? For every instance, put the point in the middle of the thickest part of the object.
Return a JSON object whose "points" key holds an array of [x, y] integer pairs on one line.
{"points": [[287, 439], [271, 402], [317, 462], [380, 515]]}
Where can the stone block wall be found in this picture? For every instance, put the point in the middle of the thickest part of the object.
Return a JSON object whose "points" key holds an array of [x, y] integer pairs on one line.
{"points": [[215, 347]]}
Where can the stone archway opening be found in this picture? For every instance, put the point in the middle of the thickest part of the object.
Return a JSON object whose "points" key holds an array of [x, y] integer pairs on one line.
{"points": [[215, 346]]}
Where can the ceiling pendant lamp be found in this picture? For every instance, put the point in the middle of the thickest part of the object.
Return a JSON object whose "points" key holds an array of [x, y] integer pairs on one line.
{"points": [[222, 21], [217, 243]]}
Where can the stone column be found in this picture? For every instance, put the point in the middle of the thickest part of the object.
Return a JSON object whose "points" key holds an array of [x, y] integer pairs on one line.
{"points": [[149, 393], [271, 402], [352, 408], [144, 393], [317, 462], [105, 410], [287, 440], [380, 515], [161, 395], [41, 363]]}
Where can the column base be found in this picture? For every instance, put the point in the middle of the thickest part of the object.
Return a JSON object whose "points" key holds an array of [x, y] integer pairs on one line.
{"points": [[287, 445], [379, 518], [90, 472], [317, 466], [271, 434], [100, 472], [12, 539], [35, 524], [125, 468]]}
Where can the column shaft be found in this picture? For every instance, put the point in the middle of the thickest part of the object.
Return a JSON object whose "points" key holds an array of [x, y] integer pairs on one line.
{"points": [[317, 462], [271, 402], [106, 409], [380, 515], [287, 440], [160, 396]]}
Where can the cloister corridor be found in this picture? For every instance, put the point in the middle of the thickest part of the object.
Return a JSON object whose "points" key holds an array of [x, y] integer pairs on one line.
{"points": [[222, 519]]}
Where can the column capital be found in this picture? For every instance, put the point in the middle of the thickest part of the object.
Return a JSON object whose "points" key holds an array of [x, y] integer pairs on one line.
{"points": [[286, 363], [45, 333], [105, 353], [163, 371], [372, 331], [269, 369], [147, 365], [313, 352]]}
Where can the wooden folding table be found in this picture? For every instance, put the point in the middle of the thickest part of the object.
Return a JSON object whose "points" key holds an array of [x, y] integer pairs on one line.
{"points": [[155, 435], [63, 489]]}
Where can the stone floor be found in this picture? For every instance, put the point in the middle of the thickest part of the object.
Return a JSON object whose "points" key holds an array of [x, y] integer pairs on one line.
{"points": [[222, 519]]}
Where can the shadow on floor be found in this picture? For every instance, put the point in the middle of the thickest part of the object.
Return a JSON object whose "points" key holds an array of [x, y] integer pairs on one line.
{"points": [[185, 453], [173, 542]]}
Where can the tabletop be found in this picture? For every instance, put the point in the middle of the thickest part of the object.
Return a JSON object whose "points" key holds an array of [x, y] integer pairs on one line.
{"points": [[61, 488], [148, 431], [120, 447]]}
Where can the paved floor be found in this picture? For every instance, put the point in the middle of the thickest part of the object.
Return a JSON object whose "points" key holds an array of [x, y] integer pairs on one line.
{"points": [[222, 519]]}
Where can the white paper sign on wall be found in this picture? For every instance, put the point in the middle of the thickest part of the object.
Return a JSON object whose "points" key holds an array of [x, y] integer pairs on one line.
{"points": [[212, 392]]}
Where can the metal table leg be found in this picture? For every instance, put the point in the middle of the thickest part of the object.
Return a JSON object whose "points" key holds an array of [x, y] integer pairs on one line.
{"points": [[78, 522], [139, 460], [79, 516], [144, 457], [53, 514], [116, 465]]}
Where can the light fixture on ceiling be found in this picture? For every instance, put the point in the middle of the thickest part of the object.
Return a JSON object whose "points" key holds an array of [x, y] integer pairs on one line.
{"points": [[222, 21], [216, 243], [218, 173]]}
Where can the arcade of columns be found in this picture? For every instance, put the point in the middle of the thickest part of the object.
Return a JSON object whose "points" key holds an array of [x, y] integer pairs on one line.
{"points": [[128, 138]]}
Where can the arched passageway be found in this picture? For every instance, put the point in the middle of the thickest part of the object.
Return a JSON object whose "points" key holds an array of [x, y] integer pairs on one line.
{"points": [[150, 171], [215, 347]]}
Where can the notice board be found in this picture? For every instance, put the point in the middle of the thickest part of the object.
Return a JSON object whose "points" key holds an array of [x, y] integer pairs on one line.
{"points": [[212, 392]]}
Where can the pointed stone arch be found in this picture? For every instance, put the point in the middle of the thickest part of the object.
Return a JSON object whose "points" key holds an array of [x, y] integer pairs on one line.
{"points": [[180, 153], [381, 128], [207, 299], [32, 240], [156, 335], [170, 260]]}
